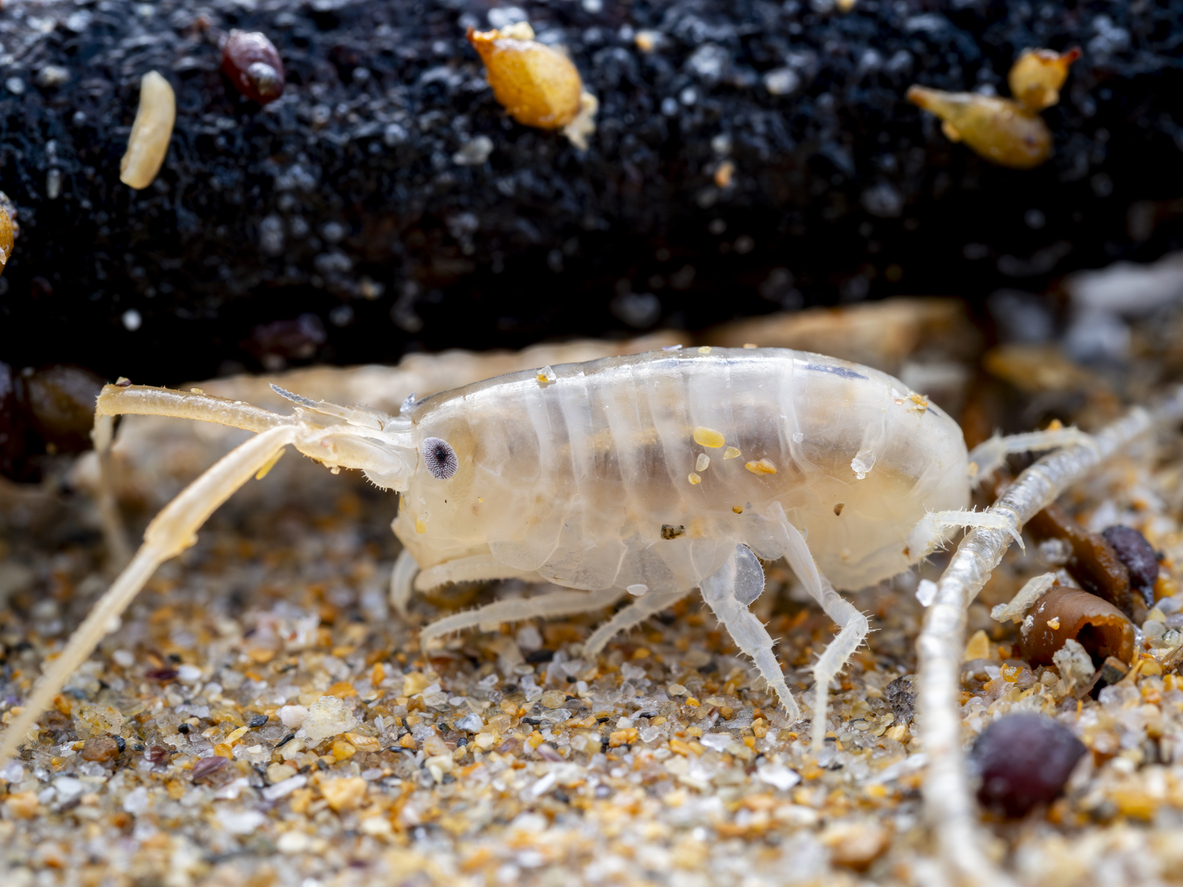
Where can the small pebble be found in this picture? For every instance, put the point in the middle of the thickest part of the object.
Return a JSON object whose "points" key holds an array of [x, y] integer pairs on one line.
{"points": [[292, 716], [1023, 761], [207, 767], [100, 748], [327, 717], [345, 794]]}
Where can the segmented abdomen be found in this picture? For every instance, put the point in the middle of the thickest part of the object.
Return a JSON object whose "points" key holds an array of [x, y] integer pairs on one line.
{"points": [[594, 474]]}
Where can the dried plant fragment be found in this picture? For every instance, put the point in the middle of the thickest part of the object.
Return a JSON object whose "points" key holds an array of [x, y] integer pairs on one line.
{"points": [[150, 133], [253, 65], [1063, 613], [537, 85], [1024, 760], [1035, 79], [1002, 131]]}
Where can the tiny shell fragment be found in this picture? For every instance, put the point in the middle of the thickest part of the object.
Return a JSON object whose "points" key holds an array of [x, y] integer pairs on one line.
{"points": [[999, 130], [150, 133], [253, 65], [536, 84]]}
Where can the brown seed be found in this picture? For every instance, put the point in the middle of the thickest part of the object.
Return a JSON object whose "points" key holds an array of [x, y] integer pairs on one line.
{"points": [[253, 65], [1063, 613], [537, 85]]}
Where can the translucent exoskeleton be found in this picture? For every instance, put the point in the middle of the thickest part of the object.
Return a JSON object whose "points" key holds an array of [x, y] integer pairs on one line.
{"points": [[644, 476]]}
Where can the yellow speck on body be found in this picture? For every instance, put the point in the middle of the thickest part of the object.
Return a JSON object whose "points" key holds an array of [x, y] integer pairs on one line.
{"points": [[420, 526], [694, 478], [702, 463], [708, 437], [738, 509], [764, 466], [1054, 624], [705, 349], [731, 453]]}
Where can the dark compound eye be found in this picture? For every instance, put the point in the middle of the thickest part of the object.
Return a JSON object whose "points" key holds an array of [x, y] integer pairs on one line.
{"points": [[440, 458]]}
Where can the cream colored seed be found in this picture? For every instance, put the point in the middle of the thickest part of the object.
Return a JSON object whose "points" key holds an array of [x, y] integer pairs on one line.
{"points": [[705, 349], [150, 133], [708, 437], [731, 453], [764, 466], [694, 478], [702, 463]]}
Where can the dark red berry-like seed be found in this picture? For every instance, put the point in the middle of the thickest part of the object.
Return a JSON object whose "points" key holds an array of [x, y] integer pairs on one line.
{"points": [[253, 65], [1136, 553], [1024, 761]]}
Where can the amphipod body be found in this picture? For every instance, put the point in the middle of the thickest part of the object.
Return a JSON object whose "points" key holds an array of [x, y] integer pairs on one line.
{"points": [[576, 479], [642, 476], [655, 474]]}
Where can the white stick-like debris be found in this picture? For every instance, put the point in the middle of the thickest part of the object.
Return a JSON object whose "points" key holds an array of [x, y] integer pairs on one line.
{"points": [[1021, 602], [948, 805]]}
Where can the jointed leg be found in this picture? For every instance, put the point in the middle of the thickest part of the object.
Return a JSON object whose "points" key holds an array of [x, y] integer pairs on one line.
{"points": [[477, 568], [113, 530], [634, 614], [553, 604], [930, 531], [402, 580], [729, 592], [853, 626], [987, 456], [170, 533]]}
